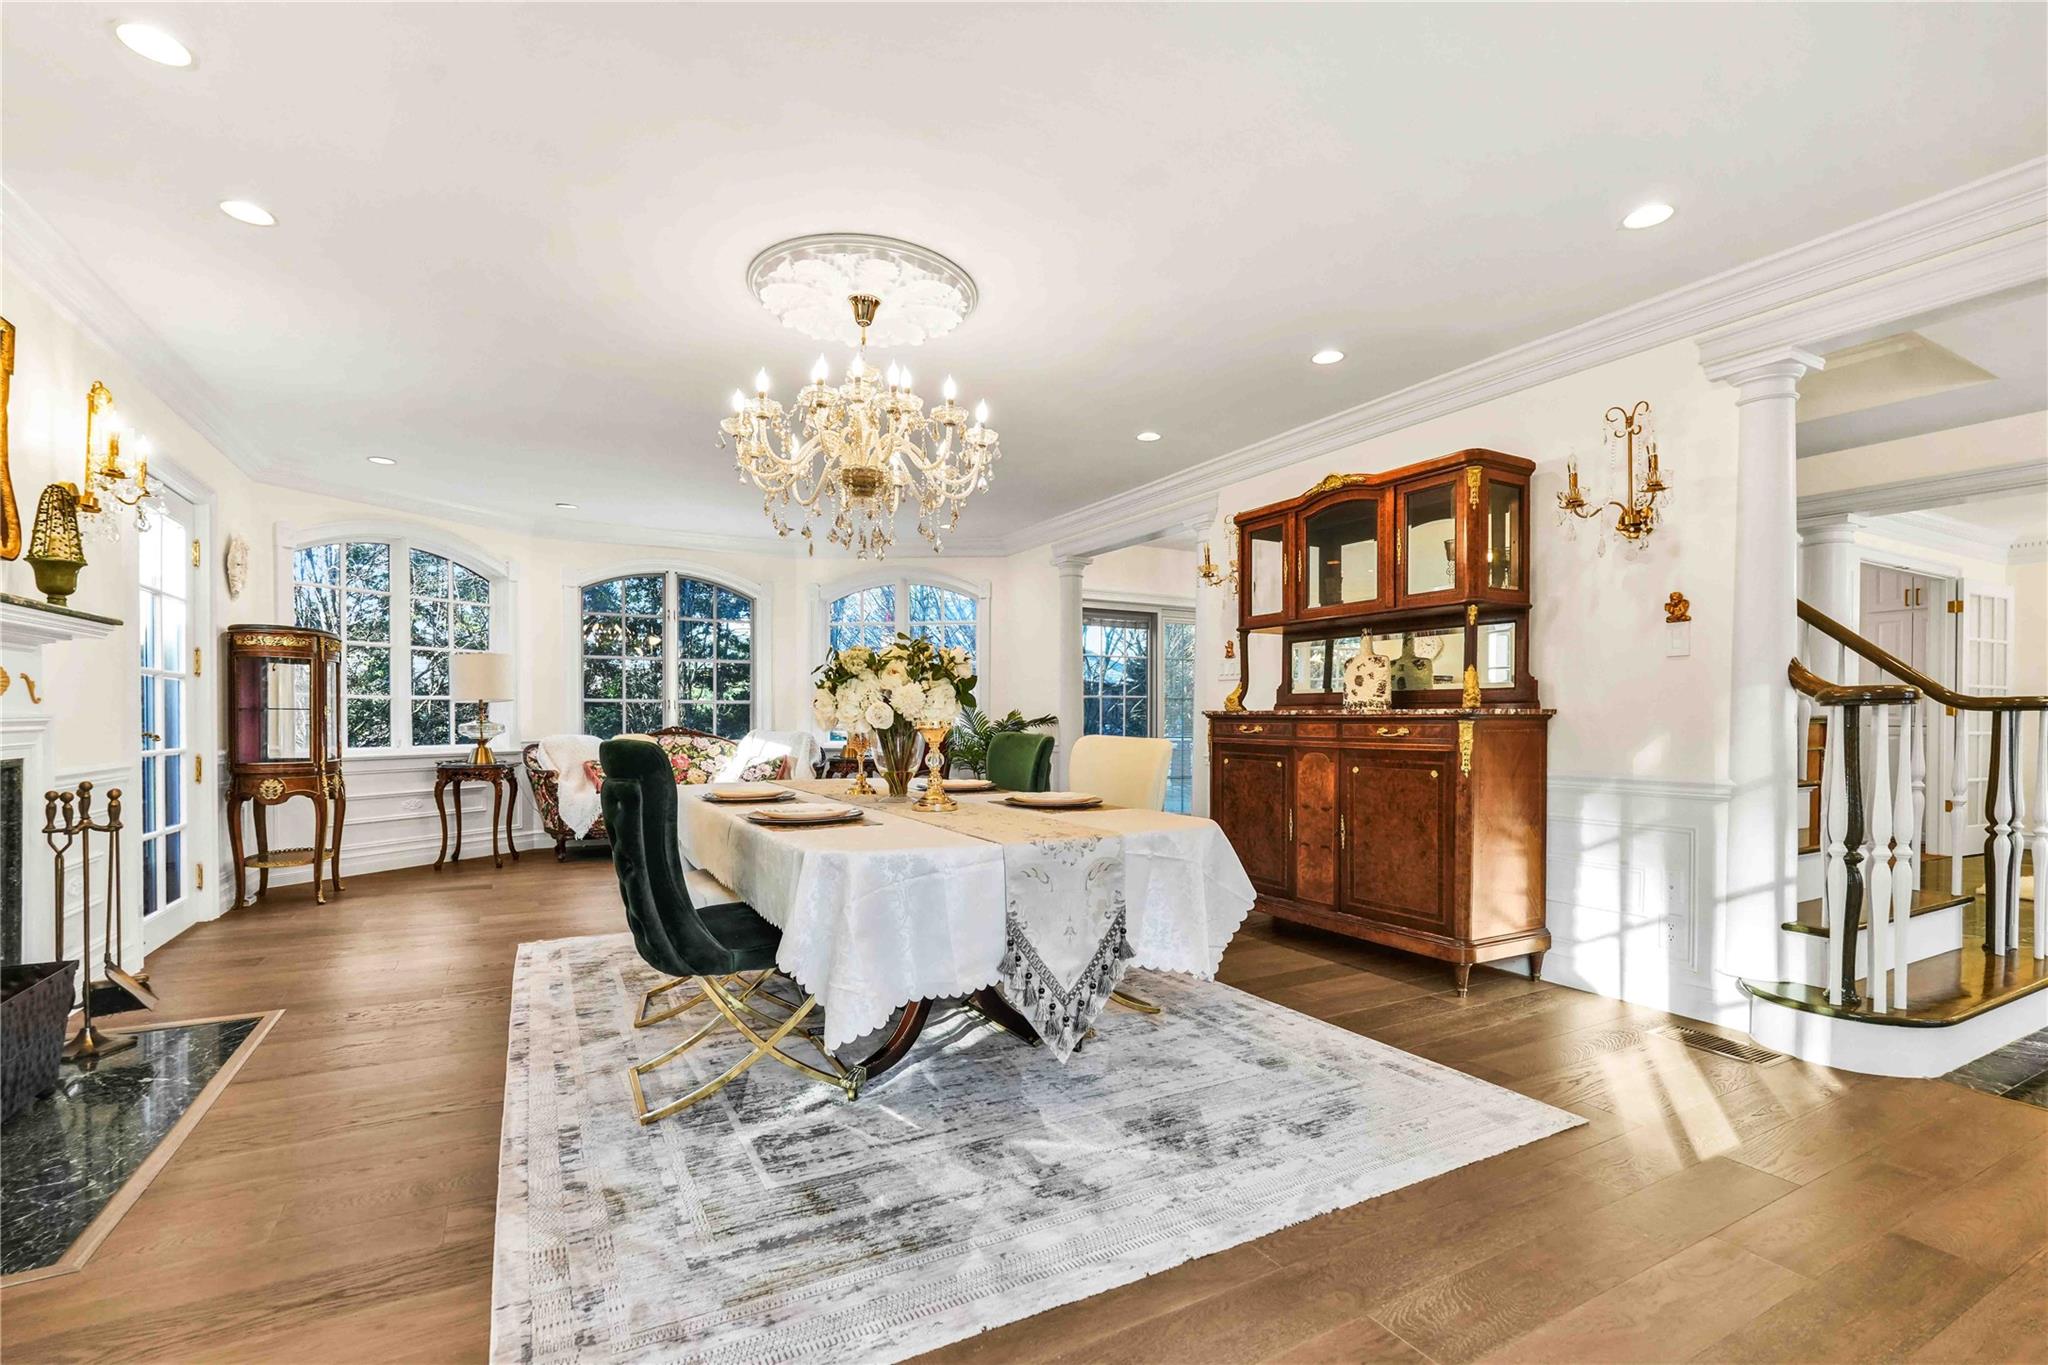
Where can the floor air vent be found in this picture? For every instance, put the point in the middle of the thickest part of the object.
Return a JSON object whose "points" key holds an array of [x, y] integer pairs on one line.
{"points": [[1726, 1047]]}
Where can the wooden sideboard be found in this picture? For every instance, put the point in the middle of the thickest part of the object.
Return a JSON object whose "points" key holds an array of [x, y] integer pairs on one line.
{"points": [[1421, 826], [1421, 830]]}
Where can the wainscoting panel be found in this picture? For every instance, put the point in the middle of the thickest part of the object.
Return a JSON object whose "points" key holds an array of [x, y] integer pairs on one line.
{"points": [[1633, 874]]}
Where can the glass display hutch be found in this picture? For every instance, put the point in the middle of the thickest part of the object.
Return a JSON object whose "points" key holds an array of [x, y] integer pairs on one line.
{"points": [[284, 741], [1420, 826]]}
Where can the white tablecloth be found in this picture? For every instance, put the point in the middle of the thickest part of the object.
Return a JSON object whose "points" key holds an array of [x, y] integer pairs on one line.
{"points": [[876, 915]]}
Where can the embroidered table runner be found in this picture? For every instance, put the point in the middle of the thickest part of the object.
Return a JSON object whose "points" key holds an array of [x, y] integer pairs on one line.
{"points": [[1066, 945]]}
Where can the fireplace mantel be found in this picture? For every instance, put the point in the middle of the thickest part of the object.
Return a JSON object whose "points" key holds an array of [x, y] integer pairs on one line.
{"points": [[26, 623]]}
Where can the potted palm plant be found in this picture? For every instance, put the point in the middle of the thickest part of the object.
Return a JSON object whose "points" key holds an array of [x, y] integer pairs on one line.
{"points": [[974, 729]]}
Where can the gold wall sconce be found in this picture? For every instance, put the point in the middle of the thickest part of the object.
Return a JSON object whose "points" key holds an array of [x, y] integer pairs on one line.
{"points": [[104, 472], [1629, 432], [1214, 574]]}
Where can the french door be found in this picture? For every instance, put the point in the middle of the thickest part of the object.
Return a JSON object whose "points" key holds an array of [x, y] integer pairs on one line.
{"points": [[1138, 678], [1984, 669], [172, 815]]}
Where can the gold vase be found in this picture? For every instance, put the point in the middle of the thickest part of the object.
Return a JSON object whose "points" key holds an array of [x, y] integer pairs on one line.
{"points": [[55, 549], [935, 797]]}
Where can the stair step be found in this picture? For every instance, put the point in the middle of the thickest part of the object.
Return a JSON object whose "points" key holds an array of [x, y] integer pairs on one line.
{"points": [[1807, 919], [1944, 989], [1808, 848]]}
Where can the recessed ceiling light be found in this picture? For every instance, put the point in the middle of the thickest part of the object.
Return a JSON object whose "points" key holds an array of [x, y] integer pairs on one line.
{"points": [[242, 211], [382, 459], [1148, 435], [1329, 355], [1647, 216], [149, 41], [566, 506]]}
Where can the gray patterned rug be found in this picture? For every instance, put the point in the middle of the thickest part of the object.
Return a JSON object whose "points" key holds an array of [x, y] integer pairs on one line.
{"points": [[977, 1183]]}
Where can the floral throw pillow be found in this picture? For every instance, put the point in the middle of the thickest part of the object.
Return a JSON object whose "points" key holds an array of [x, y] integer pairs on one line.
{"points": [[695, 759]]}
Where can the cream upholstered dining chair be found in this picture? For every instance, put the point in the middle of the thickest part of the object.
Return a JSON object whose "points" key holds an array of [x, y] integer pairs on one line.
{"points": [[1122, 770]]}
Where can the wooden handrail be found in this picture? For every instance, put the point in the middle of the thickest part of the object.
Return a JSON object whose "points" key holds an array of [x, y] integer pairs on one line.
{"points": [[1810, 684], [1897, 667]]}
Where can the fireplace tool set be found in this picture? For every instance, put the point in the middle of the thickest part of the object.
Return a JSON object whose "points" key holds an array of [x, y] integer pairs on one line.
{"points": [[68, 820]]}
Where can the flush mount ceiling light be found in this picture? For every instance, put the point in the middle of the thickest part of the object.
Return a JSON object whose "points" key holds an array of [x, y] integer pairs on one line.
{"points": [[147, 40], [1329, 355], [806, 281], [242, 211], [381, 459], [1647, 216], [1148, 435]]}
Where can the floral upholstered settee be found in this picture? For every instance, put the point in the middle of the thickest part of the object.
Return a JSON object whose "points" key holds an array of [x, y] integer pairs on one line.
{"points": [[565, 777]]}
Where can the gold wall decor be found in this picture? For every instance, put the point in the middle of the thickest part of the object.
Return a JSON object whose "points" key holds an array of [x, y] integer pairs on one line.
{"points": [[1471, 698], [10, 511], [1677, 609], [56, 551], [1629, 432], [1213, 574]]}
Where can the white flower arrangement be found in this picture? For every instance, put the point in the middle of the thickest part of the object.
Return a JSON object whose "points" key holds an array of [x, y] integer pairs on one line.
{"points": [[909, 682]]}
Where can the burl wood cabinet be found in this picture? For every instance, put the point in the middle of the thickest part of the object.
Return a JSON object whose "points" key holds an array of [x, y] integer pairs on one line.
{"points": [[1420, 827], [284, 741]]}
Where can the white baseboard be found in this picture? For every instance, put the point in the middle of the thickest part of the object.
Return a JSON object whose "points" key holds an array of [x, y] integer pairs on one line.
{"points": [[387, 856], [1893, 1049]]}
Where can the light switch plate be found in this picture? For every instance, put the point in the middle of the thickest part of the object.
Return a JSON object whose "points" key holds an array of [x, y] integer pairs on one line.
{"points": [[1678, 639]]}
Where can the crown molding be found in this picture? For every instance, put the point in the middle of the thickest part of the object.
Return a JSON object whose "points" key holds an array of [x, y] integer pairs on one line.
{"points": [[1943, 534], [41, 257], [1915, 495], [1969, 220]]}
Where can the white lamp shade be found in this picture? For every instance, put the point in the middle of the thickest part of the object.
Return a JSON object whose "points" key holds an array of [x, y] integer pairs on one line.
{"points": [[480, 677]]}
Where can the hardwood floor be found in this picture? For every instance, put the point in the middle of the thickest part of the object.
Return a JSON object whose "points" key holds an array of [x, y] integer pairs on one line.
{"points": [[336, 1204]]}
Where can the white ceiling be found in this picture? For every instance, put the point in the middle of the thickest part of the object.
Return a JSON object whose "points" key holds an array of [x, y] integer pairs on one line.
{"points": [[2005, 338], [511, 239]]}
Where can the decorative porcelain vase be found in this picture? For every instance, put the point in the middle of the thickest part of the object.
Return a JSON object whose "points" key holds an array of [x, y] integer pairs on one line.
{"points": [[896, 752], [1369, 681]]}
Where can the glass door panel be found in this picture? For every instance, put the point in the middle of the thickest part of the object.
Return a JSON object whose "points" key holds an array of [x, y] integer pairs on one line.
{"points": [[164, 587], [1504, 570], [1265, 569], [1177, 697], [1117, 649], [1429, 527], [1342, 549]]}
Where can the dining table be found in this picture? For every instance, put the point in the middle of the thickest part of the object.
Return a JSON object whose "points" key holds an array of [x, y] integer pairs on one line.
{"points": [[1030, 916]]}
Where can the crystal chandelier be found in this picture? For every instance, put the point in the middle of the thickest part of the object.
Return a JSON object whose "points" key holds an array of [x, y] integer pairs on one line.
{"points": [[856, 451]]}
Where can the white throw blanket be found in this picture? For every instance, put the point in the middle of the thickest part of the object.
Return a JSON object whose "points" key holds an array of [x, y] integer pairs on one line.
{"points": [[800, 747], [576, 799]]}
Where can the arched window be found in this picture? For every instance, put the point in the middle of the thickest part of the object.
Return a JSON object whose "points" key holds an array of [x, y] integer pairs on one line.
{"points": [[946, 615], [667, 649], [401, 610]]}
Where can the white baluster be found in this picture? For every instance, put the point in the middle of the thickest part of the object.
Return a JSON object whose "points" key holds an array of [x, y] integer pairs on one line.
{"points": [[1998, 803], [2018, 836], [1918, 823], [2040, 834], [1906, 856], [1835, 811], [1959, 800], [1878, 862]]}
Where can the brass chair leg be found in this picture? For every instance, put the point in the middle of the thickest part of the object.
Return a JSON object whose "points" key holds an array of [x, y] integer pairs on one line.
{"points": [[641, 1019], [1132, 1002], [842, 1078], [763, 1047]]}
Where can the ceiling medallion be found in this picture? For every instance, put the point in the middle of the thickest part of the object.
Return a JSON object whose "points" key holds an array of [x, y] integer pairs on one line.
{"points": [[806, 281], [856, 451]]}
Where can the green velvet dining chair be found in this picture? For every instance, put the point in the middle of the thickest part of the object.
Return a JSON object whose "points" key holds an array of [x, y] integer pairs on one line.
{"points": [[1020, 760], [701, 932]]}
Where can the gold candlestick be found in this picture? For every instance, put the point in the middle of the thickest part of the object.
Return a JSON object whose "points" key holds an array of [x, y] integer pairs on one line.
{"points": [[857, 750], [935, 798]]}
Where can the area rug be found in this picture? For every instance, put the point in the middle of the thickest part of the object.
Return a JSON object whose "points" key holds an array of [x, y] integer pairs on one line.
{"points": [[977, 1183], [75, 1161]]}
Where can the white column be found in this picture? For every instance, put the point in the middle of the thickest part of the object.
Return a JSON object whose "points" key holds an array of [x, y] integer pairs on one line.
{"points": [[1763, 742], [1072, 569], [1830, 579]]}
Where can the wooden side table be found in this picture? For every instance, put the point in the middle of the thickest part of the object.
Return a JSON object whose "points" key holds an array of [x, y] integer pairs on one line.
{"points": [[504, 780]]}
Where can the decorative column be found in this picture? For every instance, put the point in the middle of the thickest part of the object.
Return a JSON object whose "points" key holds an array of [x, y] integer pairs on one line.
{"points": [[1072, 569], [1761, 881], [1830, 579]]}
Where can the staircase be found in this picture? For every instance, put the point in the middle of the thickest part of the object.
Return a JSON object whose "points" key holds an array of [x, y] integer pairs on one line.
{"points": [[1893, 962]]}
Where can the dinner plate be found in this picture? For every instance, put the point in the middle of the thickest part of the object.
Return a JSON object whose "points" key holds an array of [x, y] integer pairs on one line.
{"points": [[961, 784], [1052, 800], [737, 792], [806, 813]]}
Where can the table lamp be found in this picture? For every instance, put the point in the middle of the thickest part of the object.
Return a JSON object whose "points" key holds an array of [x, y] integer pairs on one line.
{"points": [[483, 678]]}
